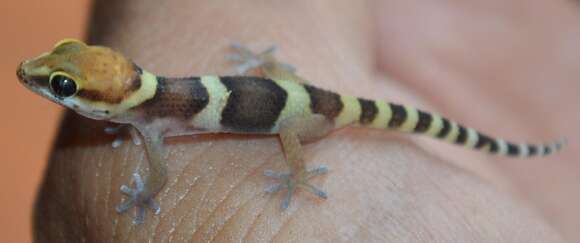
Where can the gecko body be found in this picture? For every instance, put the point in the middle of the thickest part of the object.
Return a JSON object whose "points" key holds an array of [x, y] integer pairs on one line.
{"points": [[102, 84]]}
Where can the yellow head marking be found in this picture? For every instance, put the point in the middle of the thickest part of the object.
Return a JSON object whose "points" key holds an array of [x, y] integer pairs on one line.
{"points": [[101, 77]]}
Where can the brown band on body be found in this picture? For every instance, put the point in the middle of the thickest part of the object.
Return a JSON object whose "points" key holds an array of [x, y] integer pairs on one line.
{"points": [[484, 140], [253, 105], [512, 149], [369, 111], [462, 135], [424, 122], [180, 98], [532, 150], [445, 129], [399, 115], [324, 102]]}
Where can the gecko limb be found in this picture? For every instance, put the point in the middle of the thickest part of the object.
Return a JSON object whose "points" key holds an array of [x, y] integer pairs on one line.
{"points": [[264, 60], [142, 195], [292, 133], [137, 200]]}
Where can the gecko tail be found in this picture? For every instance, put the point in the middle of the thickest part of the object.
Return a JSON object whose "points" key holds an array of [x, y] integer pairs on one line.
{"points": [[392, 116]]}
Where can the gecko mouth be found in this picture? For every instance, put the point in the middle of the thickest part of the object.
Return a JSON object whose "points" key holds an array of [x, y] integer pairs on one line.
{"points": [[102, 112]]}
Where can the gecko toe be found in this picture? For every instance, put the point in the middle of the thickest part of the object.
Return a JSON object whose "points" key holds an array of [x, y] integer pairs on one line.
{"points": [[126, 190], [314, 190], [320, 170], [291, 182], [288, 197], [119, 131], [124, 206], [275, 175], [154, 206], [137, 199], [275, 188], [248, 59]]}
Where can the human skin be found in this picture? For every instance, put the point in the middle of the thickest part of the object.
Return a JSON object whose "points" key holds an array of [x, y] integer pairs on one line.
{"points": [[383, 187]]}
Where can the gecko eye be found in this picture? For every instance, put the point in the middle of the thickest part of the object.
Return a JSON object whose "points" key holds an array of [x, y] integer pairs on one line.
{"points": [[62, 86]]}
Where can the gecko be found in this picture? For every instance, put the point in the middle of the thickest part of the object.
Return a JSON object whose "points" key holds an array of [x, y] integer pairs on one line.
{"points": [[101, 83]]}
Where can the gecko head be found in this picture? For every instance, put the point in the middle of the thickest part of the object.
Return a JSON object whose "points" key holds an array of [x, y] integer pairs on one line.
{"points": [[91, 80]]}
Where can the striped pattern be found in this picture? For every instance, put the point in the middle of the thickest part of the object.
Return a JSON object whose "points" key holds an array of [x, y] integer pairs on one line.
{"points": [[176, 98], [209, 118], [408, 119], [259, 105], [253, 105]]}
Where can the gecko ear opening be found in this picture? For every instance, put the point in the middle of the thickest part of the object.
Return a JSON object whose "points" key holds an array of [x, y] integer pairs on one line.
{"points": [[62, 85]]}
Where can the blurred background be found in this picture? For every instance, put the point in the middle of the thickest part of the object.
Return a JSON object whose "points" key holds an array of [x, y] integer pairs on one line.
{"points": [[28, 122]]}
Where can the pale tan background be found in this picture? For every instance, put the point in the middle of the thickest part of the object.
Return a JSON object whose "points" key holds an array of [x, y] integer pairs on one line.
{"points": [[28, 122]]}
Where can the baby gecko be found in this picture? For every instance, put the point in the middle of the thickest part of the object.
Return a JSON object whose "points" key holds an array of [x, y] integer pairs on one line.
{"points": [[102, 84]]}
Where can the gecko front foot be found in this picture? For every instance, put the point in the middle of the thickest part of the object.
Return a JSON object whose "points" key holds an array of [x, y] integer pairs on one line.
{"points": [[249, 60], [118, 130], [138, 199], [291, 182]]}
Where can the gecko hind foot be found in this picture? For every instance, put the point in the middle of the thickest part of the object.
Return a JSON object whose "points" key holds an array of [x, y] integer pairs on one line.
{"points": [[249, 60], [137, 200], [290, 182]]}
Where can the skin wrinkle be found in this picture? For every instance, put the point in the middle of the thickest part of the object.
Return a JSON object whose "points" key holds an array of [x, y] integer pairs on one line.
{"points": [[171, 210], [447, 198], [156, 222], [123, 165], [253, 171], [62, 170], [235, 216], [126, 219], [253, 224], [118, 182], [83, 188], [189, 190], [286, 216], [444, 193], [283, 226], [260, 202], [97, 177], [204, 195], [183, 216], [180, 220], [227, 194], [414, 225], [261, 212], [64, 192], [108, 187]]}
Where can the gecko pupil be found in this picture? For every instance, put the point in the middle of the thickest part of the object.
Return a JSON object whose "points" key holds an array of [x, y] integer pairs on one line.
{"points": [[63, 86]]}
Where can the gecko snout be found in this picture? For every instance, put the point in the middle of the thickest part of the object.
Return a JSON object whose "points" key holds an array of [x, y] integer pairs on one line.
{"points": [[20, 72]]}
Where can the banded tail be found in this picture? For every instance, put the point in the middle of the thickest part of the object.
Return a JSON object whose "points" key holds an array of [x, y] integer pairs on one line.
{"points": [[347, 110]]}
